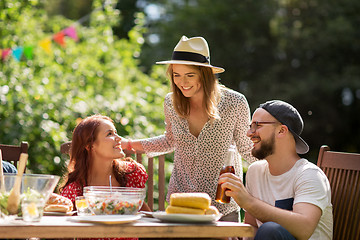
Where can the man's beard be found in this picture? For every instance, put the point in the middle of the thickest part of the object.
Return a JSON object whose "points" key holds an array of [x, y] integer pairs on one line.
{"points": [[266, 148]]}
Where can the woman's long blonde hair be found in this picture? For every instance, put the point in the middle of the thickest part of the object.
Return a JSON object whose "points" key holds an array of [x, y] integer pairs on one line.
{"points": [[211, 88]]}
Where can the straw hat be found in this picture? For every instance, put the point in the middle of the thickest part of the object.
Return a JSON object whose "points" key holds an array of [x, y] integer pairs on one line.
{"points": [[192, 51]]}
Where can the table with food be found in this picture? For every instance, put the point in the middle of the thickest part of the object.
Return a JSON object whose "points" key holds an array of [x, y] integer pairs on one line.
{"points": [[30, 208], [184, 218]]}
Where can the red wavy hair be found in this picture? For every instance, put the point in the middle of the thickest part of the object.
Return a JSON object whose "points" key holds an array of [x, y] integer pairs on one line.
{"points": [[84, 136]]}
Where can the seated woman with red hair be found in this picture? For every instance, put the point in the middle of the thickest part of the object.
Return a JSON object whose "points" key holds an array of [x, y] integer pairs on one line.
{"points": [[95, 155]]}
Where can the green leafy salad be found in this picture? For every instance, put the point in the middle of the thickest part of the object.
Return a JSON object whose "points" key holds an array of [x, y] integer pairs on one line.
{"points": [[29, 194]]}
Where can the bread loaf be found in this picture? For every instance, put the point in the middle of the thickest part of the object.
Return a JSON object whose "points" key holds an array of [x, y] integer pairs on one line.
{"points": [[58, 203], [57, 208], [190, 200], [184, 210]]}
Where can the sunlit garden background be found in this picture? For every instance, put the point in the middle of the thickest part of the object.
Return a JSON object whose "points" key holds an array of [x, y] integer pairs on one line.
{"points": [[64, 60]]}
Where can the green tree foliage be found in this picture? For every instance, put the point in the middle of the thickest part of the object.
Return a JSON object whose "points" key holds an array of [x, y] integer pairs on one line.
{"points": [[305, 52], [42, 98], [70, 9], [79, 8]]}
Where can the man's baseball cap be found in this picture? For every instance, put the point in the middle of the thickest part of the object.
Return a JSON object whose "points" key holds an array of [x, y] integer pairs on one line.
{"points": [[289, 116]]}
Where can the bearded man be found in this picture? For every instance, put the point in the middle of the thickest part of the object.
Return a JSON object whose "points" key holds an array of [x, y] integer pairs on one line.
{"points": [[286, 196]]}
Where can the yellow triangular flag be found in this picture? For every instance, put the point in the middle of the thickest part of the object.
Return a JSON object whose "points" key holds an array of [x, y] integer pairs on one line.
{"points": [[46, 45]]}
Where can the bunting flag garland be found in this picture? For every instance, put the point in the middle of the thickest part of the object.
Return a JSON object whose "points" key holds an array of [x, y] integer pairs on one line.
{"points": [[71, 32], [28, 52], [17, 53], [59, 38], [5, 53], [46, 45]]}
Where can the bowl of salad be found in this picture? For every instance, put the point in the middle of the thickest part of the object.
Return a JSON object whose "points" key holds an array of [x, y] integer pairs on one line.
{"points": [[35, 189], [104, 200]]}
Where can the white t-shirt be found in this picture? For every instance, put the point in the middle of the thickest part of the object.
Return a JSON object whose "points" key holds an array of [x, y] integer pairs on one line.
{"points": [[304, 182]]}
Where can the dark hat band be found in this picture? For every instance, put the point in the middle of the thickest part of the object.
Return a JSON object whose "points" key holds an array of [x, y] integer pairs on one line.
{"points": [[189, 56]]}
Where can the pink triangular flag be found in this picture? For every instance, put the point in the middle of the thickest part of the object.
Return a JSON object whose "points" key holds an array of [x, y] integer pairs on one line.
{"points": [[46, 45], [71, 32], [59, 38], [5, 53]]}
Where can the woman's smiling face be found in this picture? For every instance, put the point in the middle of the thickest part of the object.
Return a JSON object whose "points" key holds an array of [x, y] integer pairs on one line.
{"points": [[107, 143], [187, 79]]}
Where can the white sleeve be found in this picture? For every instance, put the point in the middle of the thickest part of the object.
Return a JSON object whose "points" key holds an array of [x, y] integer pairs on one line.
{"points": [[313, 187]]}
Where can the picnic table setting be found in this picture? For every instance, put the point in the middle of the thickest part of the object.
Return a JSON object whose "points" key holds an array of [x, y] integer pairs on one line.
{"points": [[30, 208]]}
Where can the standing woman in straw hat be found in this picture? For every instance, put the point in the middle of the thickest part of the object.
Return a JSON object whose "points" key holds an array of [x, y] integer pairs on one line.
{"points": [[203, 118]]}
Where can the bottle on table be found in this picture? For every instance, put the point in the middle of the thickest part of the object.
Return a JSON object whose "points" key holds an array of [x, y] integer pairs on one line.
{"points": [[227, 167]]}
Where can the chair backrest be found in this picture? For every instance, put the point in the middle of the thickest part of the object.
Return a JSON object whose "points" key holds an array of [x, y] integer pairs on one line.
{"points": [[11, 153], [150, 182], [65, 149], [343, 171]]}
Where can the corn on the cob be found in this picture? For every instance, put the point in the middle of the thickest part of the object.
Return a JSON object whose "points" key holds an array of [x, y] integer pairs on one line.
{"points": [[192, 200], [184, 210]]}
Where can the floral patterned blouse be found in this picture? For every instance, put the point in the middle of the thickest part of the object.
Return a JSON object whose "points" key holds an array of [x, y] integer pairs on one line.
{"points": [[198, 160], [135, 179]]}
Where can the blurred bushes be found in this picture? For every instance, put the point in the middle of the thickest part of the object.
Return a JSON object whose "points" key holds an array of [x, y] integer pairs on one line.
{"points": [[41, 99]]}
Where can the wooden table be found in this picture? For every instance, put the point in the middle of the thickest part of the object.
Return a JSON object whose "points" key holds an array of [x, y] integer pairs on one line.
{"points": [[63, 227]]}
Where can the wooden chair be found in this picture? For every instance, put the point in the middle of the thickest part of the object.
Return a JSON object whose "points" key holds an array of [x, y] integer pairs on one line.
{"points": [[65, 149], [11, 153], [343, 172]]}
